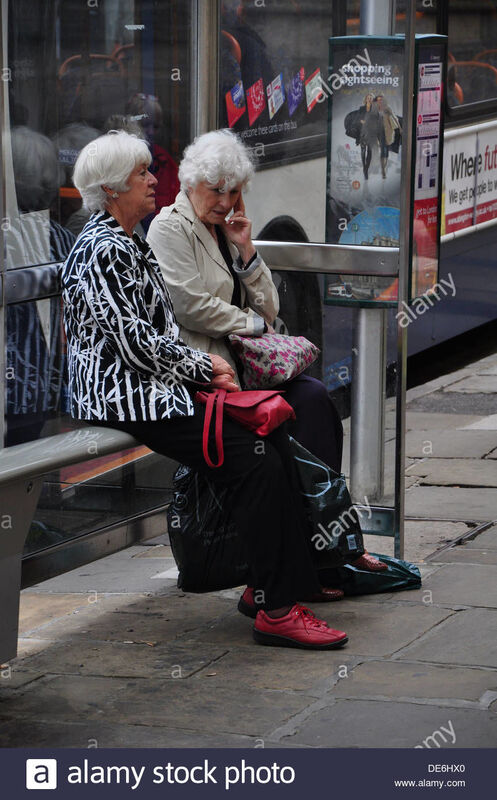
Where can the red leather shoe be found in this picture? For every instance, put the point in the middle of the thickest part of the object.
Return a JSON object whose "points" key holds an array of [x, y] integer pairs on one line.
{"points": [[367, 561], [246, 603], [298, 628]]}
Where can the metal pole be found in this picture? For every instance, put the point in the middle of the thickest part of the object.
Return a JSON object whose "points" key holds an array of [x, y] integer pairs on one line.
{"points": [[404, 251], [207, 19], [368, 360], [4, 117]]}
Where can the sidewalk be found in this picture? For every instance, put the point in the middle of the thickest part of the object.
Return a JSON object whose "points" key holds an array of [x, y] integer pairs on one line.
{"points": [[114, 655]]}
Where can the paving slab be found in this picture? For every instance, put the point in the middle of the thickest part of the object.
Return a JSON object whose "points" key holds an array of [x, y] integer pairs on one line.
{"points": [[114, 574], [468, 638], [200, 706], [485, 424], [158, 551], [278, 668], [27, 733], [487, 540], [28, 647], [438, 421], [38, 609], [11, 678], [378, 629], [476, 384], [453, 402], [455, 472], [143, 623], [471, 505], [421, 538], [460, 585], [450, 444], [463, 555], [362, 723], [118, 659], [415, 681], [491, 369]]}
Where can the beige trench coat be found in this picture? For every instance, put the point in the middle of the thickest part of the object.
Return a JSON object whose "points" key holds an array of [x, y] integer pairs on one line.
{"points": [[201, 284]]}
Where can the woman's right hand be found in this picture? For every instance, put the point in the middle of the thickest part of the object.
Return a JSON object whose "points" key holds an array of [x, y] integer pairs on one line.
{"points": [[223, 374]]}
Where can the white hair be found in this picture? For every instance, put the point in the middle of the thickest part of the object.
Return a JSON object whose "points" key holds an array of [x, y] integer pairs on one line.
{"points": [[217, 157], [36, 170], [108, 161]]}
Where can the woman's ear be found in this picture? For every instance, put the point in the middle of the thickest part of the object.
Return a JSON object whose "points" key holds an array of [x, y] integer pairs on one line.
{"points": [[110, 192]]}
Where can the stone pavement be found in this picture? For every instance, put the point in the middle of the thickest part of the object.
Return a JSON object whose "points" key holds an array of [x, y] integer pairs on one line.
{"points": [[113, 655]]}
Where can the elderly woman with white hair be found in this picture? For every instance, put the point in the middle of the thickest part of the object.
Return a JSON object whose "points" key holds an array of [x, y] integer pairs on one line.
{"points": [[219, 284], [130, 369]]}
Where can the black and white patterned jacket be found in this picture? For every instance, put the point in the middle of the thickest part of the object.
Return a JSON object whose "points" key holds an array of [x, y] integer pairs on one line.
{"points": [[126, 360]]}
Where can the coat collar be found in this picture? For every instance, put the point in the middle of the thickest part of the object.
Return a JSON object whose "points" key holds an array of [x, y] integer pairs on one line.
{"points": [[185, 208]]}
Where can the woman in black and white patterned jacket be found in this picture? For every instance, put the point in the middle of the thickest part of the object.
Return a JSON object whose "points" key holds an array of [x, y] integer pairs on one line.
{"points": [[129, 368]]}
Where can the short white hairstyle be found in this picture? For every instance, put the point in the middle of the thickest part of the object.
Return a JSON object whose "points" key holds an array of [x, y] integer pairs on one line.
{"points": [[217, 157], [108, 161]]}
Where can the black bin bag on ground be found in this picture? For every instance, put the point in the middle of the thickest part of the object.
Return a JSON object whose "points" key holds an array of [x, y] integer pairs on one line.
{"points": [[399, 575], [208, 550], [335, 535]]}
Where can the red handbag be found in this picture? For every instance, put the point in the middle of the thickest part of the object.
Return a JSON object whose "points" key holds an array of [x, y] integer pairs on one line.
{"points": [[259, 411]]}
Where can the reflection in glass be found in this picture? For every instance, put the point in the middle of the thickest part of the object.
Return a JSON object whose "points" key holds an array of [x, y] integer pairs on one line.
{"points": [[472, 59], [76, 68]]}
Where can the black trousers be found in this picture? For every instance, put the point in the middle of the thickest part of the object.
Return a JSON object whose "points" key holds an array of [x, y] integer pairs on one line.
{"points": [[269, 513], [318, 426]]}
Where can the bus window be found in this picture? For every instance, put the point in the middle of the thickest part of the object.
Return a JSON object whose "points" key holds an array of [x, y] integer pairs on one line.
{"points": [[472, 68], [274, 63], [426, 16]]}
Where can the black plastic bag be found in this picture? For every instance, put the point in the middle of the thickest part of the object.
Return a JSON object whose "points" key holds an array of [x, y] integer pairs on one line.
{"points": [[208, 550], [353, 580], [334, 528]]}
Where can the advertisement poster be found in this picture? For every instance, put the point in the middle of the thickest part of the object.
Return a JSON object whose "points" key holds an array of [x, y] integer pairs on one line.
{"points": [[486, 187], [459, 182], [426, 171], [470, 179], [235, 103], [275, 95], [256, 101], [364, 159], [295, 91]]}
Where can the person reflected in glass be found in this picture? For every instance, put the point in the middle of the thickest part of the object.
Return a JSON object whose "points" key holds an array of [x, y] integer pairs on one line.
{"points": [[35, 347]]}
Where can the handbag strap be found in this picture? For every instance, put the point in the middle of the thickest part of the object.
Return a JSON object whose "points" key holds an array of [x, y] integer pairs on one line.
{"points": [[215, 398]]}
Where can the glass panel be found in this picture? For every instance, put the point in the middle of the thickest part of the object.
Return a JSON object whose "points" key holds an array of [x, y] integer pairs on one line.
{"points": [[426, 16], [78, 70], [472, 67], [96, 494], [35, 385], [274, 64]]}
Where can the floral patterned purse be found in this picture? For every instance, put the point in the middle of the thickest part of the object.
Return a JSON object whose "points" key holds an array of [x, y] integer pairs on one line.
{"points": [[273, 358]]}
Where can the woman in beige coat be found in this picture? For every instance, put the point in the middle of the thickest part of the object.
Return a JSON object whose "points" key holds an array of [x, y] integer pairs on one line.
{"points": [[220, 285], [189, 248]]}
